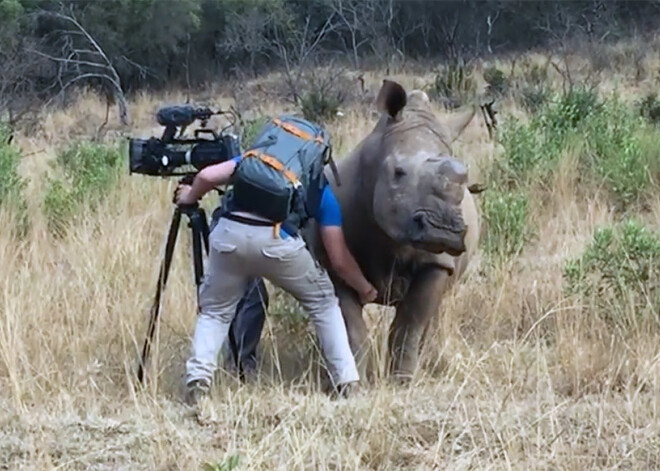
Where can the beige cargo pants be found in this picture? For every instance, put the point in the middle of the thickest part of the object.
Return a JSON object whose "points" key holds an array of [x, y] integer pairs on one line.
{"points": [[239, 252]]}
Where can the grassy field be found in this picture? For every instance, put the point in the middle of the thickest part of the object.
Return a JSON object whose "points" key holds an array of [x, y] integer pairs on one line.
{"points": [[540, 360]]}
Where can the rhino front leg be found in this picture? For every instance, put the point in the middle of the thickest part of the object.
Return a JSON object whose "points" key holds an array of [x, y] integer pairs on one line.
{"points": [[356, 328], [413, 314]]}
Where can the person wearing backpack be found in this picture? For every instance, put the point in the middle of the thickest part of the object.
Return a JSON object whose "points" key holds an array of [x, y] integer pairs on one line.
{"points": [[278, 184]]}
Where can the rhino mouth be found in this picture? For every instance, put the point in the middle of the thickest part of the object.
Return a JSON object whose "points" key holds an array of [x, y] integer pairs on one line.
{"points": [[436, 232]]}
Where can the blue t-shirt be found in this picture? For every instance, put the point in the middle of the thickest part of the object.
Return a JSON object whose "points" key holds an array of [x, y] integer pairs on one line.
{"points": [[329, 212]]}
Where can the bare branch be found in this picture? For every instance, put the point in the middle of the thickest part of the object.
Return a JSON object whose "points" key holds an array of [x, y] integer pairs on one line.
{"points": [[76, 59]]}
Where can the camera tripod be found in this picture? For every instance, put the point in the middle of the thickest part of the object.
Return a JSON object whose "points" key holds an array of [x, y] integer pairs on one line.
{"points": [[200, 235]]}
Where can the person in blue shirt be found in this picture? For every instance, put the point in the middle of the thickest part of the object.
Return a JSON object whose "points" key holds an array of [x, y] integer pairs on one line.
{"points": [[242, 249]]}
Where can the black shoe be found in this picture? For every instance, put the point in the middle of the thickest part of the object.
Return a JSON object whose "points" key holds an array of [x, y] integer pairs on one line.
{"points": [[196, 390], [345, 390]]}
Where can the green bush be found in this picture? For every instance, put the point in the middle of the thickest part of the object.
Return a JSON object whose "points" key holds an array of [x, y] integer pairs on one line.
{"points": [[453, 85], [505, 216], [228, 464], [12, 186], [497, 82], [607, 135], [532, 149], [614, 152], [320, 106], [321, 93], [534, 92], [649, 107], [619, 272], [251, 128], [85, 173], [287, 310], [567, 110], [524, 151], [533, 98], [535, 75]]}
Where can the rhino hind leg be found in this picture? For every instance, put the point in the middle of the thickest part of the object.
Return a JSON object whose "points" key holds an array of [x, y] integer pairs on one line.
{"points": [[412, 318]]}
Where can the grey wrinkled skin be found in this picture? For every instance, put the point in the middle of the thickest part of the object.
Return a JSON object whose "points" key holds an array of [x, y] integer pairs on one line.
{"points": [[409, 220]]}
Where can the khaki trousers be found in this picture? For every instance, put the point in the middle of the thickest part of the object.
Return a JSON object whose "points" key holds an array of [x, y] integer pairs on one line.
{"points": [[239, 252]]}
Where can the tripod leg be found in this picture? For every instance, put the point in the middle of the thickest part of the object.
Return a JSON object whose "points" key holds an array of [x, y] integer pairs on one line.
{"points": [[197, 223], [162, 281], [204, 227]]}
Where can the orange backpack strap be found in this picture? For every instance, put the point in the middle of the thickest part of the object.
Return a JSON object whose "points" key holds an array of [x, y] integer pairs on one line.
{"points": [[291, 128], [276, 164]]}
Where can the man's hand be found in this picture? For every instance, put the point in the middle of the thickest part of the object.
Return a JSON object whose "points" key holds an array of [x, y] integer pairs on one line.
{"points": [[183, 195], [207, 179], [344, 263], [369, 296]]}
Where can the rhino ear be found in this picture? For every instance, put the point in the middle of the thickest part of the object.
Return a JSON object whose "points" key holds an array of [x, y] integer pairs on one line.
{"points": [[391, 98], [458, 121]]}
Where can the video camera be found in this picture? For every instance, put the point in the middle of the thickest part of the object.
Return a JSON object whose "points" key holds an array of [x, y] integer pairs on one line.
{"points": [[162, 156]]}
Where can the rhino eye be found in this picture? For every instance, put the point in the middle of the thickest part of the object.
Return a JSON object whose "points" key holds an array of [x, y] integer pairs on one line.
{"points": [[399, 172]]}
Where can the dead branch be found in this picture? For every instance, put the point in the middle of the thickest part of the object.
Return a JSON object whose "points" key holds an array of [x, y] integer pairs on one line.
{"points": [[297, 51], [78, 64]]}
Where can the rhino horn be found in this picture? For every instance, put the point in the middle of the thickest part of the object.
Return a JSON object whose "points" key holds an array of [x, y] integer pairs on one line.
{"points": [[391, 98], [454, 170]]}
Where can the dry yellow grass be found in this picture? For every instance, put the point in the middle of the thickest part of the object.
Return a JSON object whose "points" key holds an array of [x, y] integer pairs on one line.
{"points": [[515, 377]]}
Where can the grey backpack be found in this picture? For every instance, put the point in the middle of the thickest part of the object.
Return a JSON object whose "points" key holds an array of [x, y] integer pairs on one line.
{"points": [[281, 175]]}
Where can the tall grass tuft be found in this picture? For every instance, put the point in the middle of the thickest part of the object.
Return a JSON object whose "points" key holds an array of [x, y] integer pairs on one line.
{"points": [[12, 185]]}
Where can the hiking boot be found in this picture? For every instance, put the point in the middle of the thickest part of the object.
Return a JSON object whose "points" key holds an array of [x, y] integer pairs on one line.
{"points": [[346, 390], [195, 391]]}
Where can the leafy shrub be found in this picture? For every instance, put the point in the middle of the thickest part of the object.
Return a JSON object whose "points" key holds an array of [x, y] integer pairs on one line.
{"points": [[287, 311], [535, 75], [607, 134], [12, 186], [251, 128], [533, 98], [453, 85], [648, 139], [320, 106], [524, 150], [497, 82], [86, 173], [614, 152], [618, 271], [532, 148], [322, 92], [569, 109], [534, 92], [229, 464], [649, 107], [505, 215]]}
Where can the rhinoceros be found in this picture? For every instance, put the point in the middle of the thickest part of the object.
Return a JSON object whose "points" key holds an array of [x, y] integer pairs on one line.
{"points": [[409, 219]]}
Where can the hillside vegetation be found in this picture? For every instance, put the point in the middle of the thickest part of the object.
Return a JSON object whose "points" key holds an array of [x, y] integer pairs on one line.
{"points": [[545, 356]]}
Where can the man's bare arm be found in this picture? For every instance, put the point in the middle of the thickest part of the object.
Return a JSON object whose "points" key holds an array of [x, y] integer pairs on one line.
{"points": [[207, 179], [344, 263]]}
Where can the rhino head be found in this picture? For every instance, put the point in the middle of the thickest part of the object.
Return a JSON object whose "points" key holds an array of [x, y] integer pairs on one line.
{"points": [[419, 184]]}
